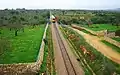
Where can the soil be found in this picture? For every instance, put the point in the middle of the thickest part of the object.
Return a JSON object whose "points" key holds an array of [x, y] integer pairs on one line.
{"points": [[73, 58], [59, 62], [101, 47]]}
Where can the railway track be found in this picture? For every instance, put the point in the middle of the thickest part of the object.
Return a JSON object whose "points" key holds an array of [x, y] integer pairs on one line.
{"points": [[68, 64]]}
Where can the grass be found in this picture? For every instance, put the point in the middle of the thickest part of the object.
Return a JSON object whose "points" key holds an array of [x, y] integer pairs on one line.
{"points": [[25, 46], [117, 39], [98, 27], [85, 31], [43, 67], [48, 60], [111, 45], [51, 52], [85, 68], [101, 65]]}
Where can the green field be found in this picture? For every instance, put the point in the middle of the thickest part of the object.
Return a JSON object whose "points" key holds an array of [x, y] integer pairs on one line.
{"points": [[24, 47], [117, 39], [98, 27]]}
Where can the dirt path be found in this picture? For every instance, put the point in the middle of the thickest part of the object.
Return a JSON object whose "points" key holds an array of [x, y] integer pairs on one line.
{"points": [[97, 44]]}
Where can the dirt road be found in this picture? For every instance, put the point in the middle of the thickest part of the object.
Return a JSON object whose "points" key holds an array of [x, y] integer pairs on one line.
{"points": [[59, 61], [97, 44]]}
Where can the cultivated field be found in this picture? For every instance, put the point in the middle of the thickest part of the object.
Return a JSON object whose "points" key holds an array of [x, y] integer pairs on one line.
{"points": [[24, 47]]}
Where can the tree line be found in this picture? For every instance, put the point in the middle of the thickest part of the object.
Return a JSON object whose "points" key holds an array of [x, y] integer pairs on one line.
{"points": [[88, 17], [16, 19]]}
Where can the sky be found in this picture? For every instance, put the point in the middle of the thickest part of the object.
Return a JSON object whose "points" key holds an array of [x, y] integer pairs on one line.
{"points": [[60, 4]]}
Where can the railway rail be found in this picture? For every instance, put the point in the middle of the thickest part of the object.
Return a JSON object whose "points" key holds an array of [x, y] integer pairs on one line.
{"points": [[68, 64]]}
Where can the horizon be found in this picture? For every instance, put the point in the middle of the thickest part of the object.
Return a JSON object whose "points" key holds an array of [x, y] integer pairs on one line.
{"points": [[54, 9]]}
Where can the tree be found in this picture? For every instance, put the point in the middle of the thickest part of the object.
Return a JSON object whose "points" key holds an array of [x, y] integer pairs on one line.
{"points": [[4, 45], [74, 20], [63, 12], [16, 28], [3, 22], [0, 29], [117, 23], [89, 23], [15, 24], [35, 17], [88, 19], [0, 26]]}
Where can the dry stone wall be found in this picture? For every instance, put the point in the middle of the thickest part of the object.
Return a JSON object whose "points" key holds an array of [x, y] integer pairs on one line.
{"points": [[25, 68], [103, 34], [98, 33], [112, 41]]}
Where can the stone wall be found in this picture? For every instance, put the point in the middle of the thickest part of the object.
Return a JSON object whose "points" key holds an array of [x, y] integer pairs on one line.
{"points": [[104, 34], [98, 33], [25, 68], [112, 34], [112, 41], [19, 69]]}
